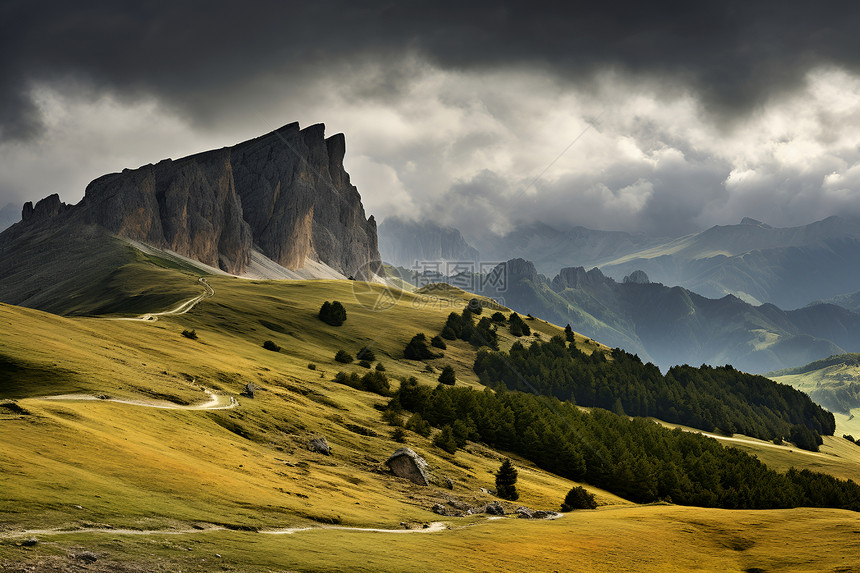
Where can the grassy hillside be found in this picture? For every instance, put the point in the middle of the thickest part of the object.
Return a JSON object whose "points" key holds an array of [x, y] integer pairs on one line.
{"points": [[83, 270], [834, 383], [84, 466]]}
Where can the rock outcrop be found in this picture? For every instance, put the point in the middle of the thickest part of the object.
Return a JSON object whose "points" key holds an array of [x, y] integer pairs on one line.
{"points": [[405, 463], [320, 446], [47, 208], [578, 277], [285, 193]]}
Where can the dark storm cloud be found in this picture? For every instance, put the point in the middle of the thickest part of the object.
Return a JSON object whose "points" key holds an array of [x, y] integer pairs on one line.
{"points": [[196, 55]]}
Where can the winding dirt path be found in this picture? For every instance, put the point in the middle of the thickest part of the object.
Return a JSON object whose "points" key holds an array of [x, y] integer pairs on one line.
{"points": [[433, 527], [793, 449], [182, 308], [215, 402]]}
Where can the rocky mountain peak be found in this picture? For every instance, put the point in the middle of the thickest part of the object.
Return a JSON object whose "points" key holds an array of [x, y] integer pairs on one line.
{"points": [[749, 221], [578, 277], [49, 207], [637, 277], [521, 269], [285, 193]]}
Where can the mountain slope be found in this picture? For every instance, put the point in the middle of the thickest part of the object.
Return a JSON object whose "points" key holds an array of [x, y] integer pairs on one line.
{"points": [[833, 382], [183, 473]]}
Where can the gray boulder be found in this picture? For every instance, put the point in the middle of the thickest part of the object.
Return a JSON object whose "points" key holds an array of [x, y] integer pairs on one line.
{"points": [[405, 463], [495, 508], [319, 445], [525, 512], [439, 509], [87, 557]]}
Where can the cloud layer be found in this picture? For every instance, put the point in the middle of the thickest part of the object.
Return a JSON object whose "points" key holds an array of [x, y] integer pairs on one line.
{"points": [[663, 118]]}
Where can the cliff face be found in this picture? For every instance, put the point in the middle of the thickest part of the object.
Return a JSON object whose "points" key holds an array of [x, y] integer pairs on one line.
{"points": [[286, 193], [298, 200], [189, 206]]}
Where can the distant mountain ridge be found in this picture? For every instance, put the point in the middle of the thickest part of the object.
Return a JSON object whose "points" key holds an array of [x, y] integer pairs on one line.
{"points": [[672, 325], [790, 267], [550, 248], [403, 243]]}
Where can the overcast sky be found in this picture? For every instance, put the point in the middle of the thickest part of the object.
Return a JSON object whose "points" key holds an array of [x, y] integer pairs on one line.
{"points": [[662, 117]]}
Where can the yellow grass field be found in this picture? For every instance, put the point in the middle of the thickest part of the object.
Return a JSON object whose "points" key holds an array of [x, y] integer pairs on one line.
{"points": [[74, 473]]}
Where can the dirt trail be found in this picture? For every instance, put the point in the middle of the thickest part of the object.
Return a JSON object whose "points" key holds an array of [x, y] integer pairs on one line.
{"points": [[433, 527], [182, 308], [215, 401], [762, 443], [430, 528]]}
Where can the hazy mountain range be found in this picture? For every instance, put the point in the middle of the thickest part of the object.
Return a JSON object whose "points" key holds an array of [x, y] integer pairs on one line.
{"points": [[673, 325], [403, 243], [789, 267]]}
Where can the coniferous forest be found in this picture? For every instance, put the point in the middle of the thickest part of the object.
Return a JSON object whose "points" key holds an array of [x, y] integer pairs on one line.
{"points": [[712, 399], [636, 459]]}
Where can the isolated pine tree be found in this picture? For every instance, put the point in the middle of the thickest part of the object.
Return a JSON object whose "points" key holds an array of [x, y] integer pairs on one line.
{"points": [[343, 356], [578, 498], [506, 481], [518, 326], [448, 376], [417, 348], [332, 313], [475, 306], [568, 333], [366, 353]]}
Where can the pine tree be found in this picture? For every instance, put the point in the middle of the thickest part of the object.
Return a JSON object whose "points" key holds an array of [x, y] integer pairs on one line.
{"points": [[417, 348], [445, 440], [332, 313], [568, 333], [366, 353], [578, 498], [343, 356], [448, 376], [506, 480]]}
